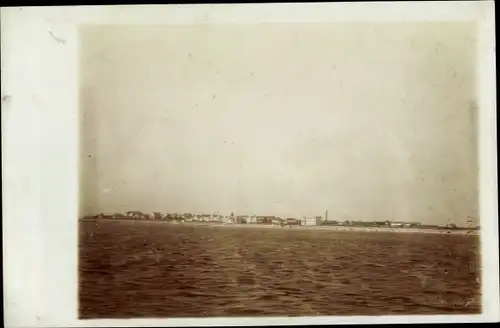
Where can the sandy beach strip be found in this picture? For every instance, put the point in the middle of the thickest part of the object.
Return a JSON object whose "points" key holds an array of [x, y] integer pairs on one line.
{"points": [[342, 229]]}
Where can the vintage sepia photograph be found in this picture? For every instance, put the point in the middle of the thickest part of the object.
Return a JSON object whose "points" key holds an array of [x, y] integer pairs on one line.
{"points": [[303, 169], [249, 164]]}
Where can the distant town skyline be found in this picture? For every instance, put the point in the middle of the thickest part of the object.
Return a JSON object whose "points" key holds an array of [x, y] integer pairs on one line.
{"points": [[470, 222], [373, 122]]}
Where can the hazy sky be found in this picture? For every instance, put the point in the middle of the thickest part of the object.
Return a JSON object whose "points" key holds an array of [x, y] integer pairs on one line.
{"points": [[369, 121]]}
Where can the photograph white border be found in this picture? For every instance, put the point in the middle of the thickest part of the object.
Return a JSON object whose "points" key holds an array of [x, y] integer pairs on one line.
{"points": [[40, 133]]}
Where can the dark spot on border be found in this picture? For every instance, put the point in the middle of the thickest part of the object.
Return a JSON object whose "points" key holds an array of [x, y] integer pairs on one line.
{"points": [[6, 98]]}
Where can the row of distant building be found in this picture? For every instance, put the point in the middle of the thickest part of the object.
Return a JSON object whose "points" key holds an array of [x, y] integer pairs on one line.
{"points": [[263, 219], [215, 217]]}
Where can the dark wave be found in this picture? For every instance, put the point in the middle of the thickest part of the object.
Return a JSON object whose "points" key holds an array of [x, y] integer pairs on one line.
{"points": [[132, 270]]}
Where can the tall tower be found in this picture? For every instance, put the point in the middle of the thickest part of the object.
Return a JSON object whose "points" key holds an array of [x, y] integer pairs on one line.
{"points": [[326, 215]]}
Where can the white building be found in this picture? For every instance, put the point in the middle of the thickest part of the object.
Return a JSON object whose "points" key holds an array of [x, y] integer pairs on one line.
{"points": [[311, 221], [156, 216], [135, 214], [276, 221], [227, 219]]}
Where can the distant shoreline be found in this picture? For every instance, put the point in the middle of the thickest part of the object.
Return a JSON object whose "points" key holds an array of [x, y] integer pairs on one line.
{"points": [[316, 228]]}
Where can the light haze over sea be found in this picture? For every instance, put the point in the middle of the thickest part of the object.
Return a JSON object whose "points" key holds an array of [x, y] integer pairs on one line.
{"points": [[372, 122]]}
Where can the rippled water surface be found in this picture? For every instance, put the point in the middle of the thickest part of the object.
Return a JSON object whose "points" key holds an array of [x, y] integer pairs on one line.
{"points": [[154, 269]]}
